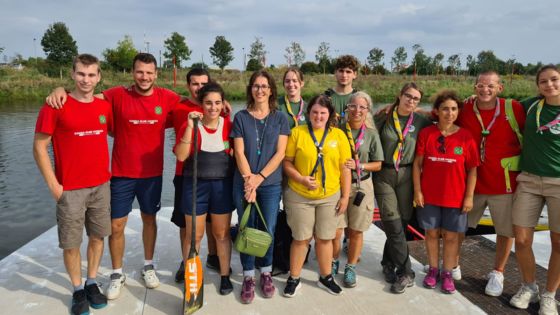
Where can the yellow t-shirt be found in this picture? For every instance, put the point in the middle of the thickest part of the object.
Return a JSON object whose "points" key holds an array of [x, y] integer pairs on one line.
{"points": [[336, 150]]}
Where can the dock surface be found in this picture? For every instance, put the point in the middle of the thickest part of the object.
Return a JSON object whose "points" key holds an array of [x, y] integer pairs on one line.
{"points": [[33, 281]]}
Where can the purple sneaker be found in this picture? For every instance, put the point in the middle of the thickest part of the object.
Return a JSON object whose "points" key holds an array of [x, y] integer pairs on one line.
{"points": [[447, 284], [248, 290], [267, 286], [432, 277]]}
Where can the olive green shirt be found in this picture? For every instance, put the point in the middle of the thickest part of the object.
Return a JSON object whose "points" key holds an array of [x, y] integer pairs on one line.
{"points": [[294, 106], [390, 138], [370, 150]]}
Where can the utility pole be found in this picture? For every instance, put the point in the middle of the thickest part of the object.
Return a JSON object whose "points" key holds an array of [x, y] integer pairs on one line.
{"points": [[35, 50]]}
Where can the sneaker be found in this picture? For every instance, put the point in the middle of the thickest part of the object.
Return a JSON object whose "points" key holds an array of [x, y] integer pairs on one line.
{"points": [[292, 286], [524, 296], [117, 282], [456, 273], [180, 274], [447, 282], [80, 305], [213, 262], [548, 305], [248, 290], [431, 279], [267, 286], [349, 276], [95, 298], [330, 285], [150, 278], [403, 282], [334, 267], [225, 285], [495, 285], [389, 273]]}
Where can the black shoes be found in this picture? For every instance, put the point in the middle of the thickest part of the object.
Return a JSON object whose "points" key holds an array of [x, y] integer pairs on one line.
{"points": [[225, 285], [389, 273], [403, 282], [80, 305]]}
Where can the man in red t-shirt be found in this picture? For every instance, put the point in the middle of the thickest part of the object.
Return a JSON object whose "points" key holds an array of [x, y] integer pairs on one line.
{"points": [[140, 113], [485, 117], [80, 181]]}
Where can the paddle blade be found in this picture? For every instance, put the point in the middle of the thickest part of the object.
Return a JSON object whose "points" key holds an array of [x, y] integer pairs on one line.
{"points": [[194, 289]]}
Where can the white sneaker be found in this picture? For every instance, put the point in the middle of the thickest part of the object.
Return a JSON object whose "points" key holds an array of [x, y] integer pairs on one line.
{"points": [[495, 285], [150, 278], [456, 273], [114, 289], [524, 296], [548, 305]]}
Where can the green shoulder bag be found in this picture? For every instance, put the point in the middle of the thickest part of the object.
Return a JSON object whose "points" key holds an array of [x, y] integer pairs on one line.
{"points": [[249, 240]]}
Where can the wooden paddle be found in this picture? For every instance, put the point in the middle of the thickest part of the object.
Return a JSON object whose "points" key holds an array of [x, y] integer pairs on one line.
{"points": [[194, 278]]}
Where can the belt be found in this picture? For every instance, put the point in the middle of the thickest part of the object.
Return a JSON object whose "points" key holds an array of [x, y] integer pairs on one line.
{"points": [[391, 165], [361, 179]]}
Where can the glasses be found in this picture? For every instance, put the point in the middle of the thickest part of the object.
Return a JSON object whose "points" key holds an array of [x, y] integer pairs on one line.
{"points": [[257, 87], [441, 141], [411, 97], [481, 86], [356, 106]]}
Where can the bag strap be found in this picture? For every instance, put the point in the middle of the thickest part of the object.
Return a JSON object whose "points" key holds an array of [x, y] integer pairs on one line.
{"points": [[246, 214], [513, 121]]}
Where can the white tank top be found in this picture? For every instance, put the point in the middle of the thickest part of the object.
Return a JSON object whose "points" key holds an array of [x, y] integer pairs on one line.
{"points": [[212, 142]]}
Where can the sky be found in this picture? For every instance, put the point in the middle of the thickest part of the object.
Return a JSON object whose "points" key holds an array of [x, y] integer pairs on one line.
{"points": [[527, 31]]}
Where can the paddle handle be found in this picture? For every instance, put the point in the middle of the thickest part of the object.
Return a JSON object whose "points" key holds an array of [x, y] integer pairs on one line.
{"points": [[194, 181]]}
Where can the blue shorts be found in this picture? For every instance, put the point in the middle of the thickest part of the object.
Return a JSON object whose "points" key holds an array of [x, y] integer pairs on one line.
{"points": [[214, 196], [434, 217], [178, 218], [146, 190]]}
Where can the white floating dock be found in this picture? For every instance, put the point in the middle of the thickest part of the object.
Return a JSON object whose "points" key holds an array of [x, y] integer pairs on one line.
{"points": [[33, 281]]}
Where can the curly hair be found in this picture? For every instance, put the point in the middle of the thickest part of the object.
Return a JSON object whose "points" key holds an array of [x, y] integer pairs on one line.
{"points": [[347, 61]]}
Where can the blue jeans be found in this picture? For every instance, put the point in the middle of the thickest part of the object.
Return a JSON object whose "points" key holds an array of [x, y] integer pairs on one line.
{"points": [[268, 198]]}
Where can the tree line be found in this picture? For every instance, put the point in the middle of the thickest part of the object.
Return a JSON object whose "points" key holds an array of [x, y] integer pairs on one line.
{"points": [[60, 48]]}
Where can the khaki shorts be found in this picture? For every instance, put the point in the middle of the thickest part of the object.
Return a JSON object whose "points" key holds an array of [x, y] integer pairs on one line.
{"points": [[87, 206], [359, 218], [500, 207], [308, 217], [530, 196]]}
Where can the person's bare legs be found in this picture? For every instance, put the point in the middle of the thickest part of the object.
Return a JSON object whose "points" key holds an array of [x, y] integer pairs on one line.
{"points": [[503, 249], [524, 252], [553, 274], [450, 249], [149, 234], [432, 247], [73, 264], [298, 252], [324, 252], [117, 241], [94, 253], [355, 244], [220, 231]]}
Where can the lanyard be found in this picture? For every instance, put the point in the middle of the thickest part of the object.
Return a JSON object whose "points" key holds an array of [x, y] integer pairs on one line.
{"points": [[355, 146], [540, 128], [397, 155], [320, 161], [299, 116], [486, 131]]}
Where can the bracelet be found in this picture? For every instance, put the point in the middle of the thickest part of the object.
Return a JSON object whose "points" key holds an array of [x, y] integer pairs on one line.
{"points": [[185, 141], [262, 175]]}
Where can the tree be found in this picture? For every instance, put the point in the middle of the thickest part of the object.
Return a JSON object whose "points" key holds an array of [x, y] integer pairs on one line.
{"points": [[398, 59], [486, 60], [322, 56], [375, 60], [257, 53], [221, 52], [175, 46], [254, 65], [294, 54], [471, 65], [437, 63], [1, 50], [310, 67], [58, 44], [199, 65], [454, 62], [121, 57]]}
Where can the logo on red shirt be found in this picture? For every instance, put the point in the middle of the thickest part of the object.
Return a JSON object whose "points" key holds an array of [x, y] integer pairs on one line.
{"points": [[158, 110], [102, 119], [458, 150]]}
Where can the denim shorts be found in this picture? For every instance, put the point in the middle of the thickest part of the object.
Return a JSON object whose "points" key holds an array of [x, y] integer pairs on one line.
{"points": [[432, 217], [124, 189], [213, 196]]}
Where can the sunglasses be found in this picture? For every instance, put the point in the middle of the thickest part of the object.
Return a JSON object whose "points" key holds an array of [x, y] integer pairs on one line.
{"points": [[441, 141]]}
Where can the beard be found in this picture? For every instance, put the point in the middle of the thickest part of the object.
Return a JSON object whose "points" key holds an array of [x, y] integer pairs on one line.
{"points": [[143, 90]]}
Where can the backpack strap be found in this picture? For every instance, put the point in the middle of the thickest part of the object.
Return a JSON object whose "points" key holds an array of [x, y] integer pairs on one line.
{"points": [[510, 115]]}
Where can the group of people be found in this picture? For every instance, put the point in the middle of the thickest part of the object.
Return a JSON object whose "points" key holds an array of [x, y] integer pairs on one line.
{"points": [[327, 160]]}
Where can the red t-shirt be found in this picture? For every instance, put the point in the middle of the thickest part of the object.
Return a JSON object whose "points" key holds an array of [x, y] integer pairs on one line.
{"points": [[444, 175], [139, 130], [225, 137], [79, 139], [500, 143]]}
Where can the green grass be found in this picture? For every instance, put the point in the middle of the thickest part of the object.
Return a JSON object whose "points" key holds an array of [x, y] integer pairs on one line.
{"points": [[28, 85]]}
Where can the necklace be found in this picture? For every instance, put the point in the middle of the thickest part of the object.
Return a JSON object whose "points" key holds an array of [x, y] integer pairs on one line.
{"points": [[260, 137]]}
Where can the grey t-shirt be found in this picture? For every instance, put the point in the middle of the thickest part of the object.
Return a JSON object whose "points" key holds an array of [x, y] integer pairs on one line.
{"points": [[246, 126]]}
